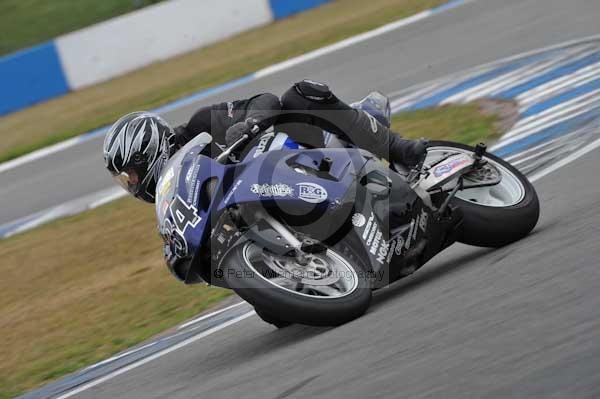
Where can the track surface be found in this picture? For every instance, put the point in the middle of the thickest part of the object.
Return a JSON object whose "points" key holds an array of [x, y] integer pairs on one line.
{"points": [[521, 321], [475, 33]]}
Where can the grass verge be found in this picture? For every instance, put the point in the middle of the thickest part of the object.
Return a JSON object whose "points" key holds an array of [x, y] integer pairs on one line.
{"points": [[80, 289], [84, 110], [24, 23]]}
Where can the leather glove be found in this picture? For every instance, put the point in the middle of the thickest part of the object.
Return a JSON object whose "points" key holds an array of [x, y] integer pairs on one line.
{"points": [[408, 152], [236, 131]]}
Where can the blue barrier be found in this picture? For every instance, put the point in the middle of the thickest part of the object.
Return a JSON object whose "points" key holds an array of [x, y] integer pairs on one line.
{"points": [[30, 76], [285, 8]]}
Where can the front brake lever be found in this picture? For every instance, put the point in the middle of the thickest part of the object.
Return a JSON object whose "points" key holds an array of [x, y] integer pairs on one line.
{"points": [[222, 157], [417, 171]]}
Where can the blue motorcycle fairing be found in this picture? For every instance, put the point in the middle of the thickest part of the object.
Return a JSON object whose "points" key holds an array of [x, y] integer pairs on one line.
{"points": [[288, 176], [182, 220], [317, 191]]}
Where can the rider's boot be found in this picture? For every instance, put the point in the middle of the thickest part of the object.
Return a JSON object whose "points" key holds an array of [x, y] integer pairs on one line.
{"points": [[378, 105], [382, 141]]}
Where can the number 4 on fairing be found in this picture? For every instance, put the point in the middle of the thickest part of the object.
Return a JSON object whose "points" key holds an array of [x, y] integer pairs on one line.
{"points": [[184, 215]]}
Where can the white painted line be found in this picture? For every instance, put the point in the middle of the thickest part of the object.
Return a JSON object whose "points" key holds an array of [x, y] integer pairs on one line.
{"points": [[566, 160], [553, 87], [189, 323], [41, 153], [122, 355], [537, 154], [43, 218], [504, 81], [157, 355], [206, 316], [118, 193], [552, 116], [532, 149]]}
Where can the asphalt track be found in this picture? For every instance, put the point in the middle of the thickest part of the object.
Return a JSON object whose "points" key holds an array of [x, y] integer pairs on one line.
{"points": [[472, 34], [517, 322], [521, 321]]}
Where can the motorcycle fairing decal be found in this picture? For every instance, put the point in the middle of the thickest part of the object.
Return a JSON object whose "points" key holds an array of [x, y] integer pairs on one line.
{"points": [[448, 167], [263, 144], [374, 238], [232, 190], [358, 220], [184, 215], [272, 190], [311, 192], [272, 142], [446, 171], [420, 222]]}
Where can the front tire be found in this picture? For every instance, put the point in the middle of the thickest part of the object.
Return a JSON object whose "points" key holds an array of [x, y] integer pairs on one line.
{"points": [[267, 318], [296, 296], [495, 224]]}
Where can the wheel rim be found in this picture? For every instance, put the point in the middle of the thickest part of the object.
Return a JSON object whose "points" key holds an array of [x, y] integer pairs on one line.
{"points": [[510, 191], [325, 275]]}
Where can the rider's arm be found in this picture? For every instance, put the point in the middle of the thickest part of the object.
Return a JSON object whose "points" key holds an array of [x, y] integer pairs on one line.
{"points": [[216, 119], [263, 108], [199, 122]]}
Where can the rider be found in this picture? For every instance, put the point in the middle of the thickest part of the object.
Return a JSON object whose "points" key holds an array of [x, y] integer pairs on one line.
{"points": [[138, 145]]}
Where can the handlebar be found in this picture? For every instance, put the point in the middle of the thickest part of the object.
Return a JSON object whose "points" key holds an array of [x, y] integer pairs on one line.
{"points": [[222, 157]]}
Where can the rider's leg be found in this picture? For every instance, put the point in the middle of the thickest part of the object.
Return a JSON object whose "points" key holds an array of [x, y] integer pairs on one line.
{"points": [[313, 103]]}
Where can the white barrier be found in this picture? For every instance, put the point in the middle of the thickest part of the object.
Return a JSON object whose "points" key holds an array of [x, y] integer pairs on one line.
{"points": [[155, 33]]}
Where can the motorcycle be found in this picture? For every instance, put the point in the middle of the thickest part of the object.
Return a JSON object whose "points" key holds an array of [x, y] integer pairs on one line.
{"points": [[306, 235]]}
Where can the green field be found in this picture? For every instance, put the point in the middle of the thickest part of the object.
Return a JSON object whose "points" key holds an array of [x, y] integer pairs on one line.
{"points": [[24, 23], [75, 291], [84, 110]]}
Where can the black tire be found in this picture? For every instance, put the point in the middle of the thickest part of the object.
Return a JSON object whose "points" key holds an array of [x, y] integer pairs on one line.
{"points": [[486, 226], [282, 305], [266, 317]]}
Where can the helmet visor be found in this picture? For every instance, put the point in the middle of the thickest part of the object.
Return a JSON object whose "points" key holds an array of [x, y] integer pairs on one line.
{"points": [[129, 179]]}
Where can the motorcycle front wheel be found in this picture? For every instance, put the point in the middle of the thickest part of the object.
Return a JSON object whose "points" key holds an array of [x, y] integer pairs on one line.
{"points": [[323, 289]]}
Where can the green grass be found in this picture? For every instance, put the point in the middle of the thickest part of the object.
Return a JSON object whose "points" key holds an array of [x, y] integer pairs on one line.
{"points": [[466, 124], [24, 23], [147, 88], [80, 289]]}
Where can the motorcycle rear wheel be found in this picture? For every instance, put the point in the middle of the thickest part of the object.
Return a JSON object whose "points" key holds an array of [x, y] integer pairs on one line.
{"points": [[498, 215]]}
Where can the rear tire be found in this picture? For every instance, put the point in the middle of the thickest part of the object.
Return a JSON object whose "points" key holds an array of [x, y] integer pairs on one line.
{"points": [[282, 305], [493, 226]]}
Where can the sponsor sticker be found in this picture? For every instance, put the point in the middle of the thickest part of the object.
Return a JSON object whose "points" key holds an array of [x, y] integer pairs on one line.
{"points": [[358, 220], [165, 182], [423, 220], [230, 109], [272, 190], [410, 232], [383, 251], [262, 144], [233, 190], [368, 228], [399, 245], [373, 122], [449, 166], [311, 192]]}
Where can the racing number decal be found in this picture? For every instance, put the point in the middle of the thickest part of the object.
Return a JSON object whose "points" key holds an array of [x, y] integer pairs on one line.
{"points": [[183, 215]]}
